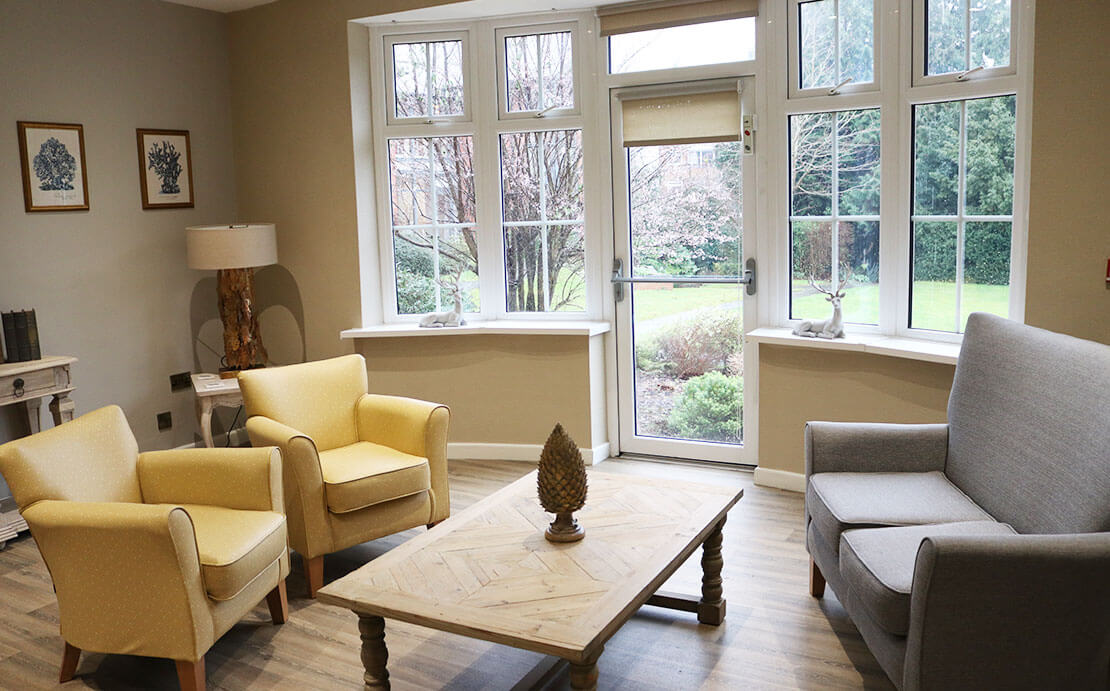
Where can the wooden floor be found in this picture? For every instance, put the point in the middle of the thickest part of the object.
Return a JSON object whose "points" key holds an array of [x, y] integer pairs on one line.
{"points": [[775, 635]]}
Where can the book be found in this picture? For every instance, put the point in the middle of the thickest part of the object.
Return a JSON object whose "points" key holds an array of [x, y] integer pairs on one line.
{"points": [[33, 336], [12, 349], [23, 345]]}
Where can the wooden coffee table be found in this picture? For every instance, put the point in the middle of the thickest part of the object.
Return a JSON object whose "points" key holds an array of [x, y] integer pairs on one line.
{"points": [[489, 573]]}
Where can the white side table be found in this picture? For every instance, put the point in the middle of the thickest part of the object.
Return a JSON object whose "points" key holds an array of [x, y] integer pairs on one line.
{"points": [[213, 392]]}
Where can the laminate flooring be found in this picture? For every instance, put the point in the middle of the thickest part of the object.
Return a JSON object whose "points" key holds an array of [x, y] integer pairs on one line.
{"points": [[774, 636]]}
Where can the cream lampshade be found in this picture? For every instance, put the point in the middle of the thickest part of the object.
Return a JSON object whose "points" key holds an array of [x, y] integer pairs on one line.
{"points": [[233, 251]]}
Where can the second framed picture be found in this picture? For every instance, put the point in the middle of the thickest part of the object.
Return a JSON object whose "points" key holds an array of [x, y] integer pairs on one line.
{"points": [[165, 169]]}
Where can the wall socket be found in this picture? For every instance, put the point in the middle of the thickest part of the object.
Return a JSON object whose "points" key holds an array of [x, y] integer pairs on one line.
{"points": [[165, 421], [181, 380]]}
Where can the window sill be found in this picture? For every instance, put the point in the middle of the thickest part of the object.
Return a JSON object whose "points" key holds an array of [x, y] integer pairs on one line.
{"points": [[909, 348], [497, 327]]}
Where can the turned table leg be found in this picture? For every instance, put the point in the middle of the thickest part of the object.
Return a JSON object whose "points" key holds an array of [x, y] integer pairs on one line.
{"points": [[711, 609], [584, 675], [62, 407], [34, 422], [374, 653]]}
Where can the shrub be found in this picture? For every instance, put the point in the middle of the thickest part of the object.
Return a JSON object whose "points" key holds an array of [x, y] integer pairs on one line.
{"points": [[415, 294], [709, 408], [701, 343]]}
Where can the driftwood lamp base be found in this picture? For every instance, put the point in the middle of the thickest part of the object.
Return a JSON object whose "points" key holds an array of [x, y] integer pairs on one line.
{"points": [[243, 347], [564, 528]]}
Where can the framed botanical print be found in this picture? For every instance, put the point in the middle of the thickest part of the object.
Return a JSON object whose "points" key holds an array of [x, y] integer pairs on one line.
{"points": [[52, 157], [165, 169]]}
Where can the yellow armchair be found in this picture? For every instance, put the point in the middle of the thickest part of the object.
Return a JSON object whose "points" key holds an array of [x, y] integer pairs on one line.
{"points": [[357, 466], [154, 554]]}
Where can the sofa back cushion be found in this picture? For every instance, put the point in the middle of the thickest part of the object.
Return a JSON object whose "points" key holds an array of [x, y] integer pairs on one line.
{"points": [[91, 458], [1029, 426], [317, 399]]}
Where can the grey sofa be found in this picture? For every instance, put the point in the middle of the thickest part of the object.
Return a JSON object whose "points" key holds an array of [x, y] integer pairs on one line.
{"points": [[976, 554]]}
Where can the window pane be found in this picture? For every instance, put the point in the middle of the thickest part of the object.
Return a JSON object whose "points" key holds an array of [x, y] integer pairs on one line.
{"points": [[858, 162], [858, 248], [709, 43], [990, 156], [433, 209], [541, 182], [990, 33], [934, 276], [811, 164], [986, 285], [812, 252], [946, 36], [810, 260], [539, 71], [936, 142], [685, 205], [428, 79], [836, 42]]}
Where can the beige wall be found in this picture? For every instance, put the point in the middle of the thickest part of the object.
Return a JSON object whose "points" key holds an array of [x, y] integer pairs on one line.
{"points": [[110, 285], [293, 148], [501, 389]]}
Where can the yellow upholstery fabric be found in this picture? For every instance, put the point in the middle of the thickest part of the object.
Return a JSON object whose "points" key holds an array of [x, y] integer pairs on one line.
{"points": [[363, 474], [235, 546], [128, 575], [94, 460], [316, 398], [333, 498]]}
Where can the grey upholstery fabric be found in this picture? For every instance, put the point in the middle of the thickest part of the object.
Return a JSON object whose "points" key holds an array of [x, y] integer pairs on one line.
{"points": [[1010, 612], [1029, 427], [878, 564], [840, 501], [861, 447]]}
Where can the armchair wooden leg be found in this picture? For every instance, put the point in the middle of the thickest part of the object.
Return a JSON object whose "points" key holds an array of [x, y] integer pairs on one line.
{"points": [[432, 525], [816, 580], [314, 574], [190, 675], [70, 656], [278, 602]]}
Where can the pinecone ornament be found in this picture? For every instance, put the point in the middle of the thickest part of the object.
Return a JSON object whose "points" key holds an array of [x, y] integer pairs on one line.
{"points": [[562, 485]]}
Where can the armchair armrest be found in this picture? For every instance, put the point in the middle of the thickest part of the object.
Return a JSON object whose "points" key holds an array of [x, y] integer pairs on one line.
{"points": [[127, 577], [247, 479], [1010, 611], [305, 503], [414, 427], [862, 447]]}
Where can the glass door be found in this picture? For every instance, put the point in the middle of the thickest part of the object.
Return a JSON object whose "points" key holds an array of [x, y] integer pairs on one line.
{"points": [[680, 273]]}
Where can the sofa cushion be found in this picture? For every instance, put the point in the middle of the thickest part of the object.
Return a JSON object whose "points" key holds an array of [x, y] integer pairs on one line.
{"points": [[235, 546], [1029, 426], [364, 474], [877, 564], [841, 501]]}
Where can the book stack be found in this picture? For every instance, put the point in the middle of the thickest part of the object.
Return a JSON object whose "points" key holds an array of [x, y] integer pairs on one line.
{"points": [[21, 336]]}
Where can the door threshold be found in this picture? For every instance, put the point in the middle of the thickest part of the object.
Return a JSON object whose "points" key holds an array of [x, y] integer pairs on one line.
{"points": [[674, 460]]}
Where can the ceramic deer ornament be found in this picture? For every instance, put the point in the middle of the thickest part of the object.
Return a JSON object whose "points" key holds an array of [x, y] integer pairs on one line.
{"points": [[828, 328], [451, 317]]}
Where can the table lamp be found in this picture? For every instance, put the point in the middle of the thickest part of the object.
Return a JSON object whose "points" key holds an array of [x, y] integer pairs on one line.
{"points": [[233, 251]]}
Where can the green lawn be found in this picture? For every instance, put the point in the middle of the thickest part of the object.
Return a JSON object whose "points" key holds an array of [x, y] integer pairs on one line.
{"points": [[934, 302]]}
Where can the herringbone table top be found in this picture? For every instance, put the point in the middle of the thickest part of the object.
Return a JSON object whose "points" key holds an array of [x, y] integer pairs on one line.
{"points": [[489, 573]]}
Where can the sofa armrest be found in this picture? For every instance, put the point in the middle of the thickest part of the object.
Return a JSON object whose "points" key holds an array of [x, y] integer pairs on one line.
{"points": [[414, 427], [1011, 611], [127, 577], [306, 505], [862, 447], [248, 479]]}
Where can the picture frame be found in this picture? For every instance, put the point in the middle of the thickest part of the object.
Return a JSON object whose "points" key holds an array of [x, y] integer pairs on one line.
{"points": [[52, 159], [165, 168]]}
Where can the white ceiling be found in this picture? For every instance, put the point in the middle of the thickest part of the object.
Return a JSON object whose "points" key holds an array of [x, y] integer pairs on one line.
{"points": [[222, 5]]}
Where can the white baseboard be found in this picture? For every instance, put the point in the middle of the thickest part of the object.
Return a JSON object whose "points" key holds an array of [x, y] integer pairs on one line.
{"points": [[528, 453], [780, 479]]}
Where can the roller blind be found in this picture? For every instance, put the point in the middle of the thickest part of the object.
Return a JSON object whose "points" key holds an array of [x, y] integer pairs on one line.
{"points": [[712, 116], [643, 16]]}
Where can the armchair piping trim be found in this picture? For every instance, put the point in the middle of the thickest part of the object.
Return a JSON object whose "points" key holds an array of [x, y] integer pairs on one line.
{"points": [[247, 585], [379, 503]]}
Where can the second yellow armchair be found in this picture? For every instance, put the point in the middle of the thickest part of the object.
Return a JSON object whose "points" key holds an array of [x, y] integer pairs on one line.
{"points": [[357, 466]]}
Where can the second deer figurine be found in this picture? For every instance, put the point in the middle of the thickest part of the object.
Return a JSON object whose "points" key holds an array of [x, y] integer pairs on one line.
{"points": [[827, 328]]}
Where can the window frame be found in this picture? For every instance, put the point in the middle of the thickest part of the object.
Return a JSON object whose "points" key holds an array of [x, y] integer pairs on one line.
{"points": [[486, 127], [794, 48], [919, 43], [503, 33], [390, 86]]}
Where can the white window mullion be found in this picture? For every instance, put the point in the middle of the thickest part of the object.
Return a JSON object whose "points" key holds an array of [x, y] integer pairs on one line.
{"points": [[834, 234], [961, 192], [487, 179]]}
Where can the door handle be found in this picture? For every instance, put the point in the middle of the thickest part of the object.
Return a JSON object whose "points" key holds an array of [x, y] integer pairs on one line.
{"points": [[618, 278]]}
